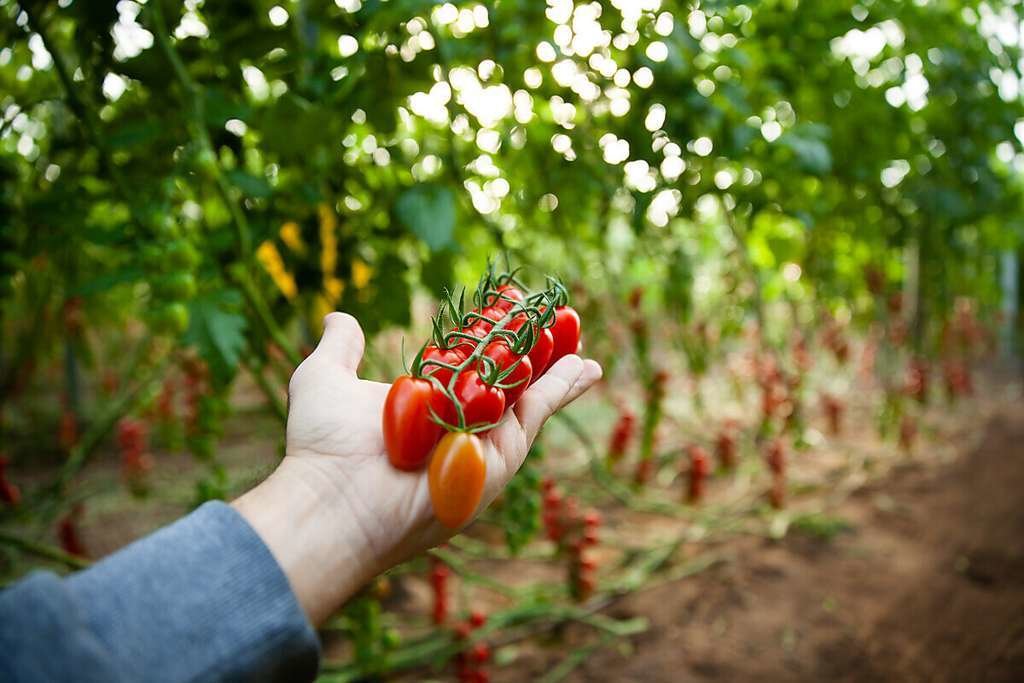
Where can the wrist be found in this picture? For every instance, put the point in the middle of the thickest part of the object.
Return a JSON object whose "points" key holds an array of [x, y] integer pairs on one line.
{"points": [[311, 530]]}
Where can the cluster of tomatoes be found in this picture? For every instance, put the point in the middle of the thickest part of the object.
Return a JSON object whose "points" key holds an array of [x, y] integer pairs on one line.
{"points": [[833, 337], [915, 382], [775, 454], [834, 409], [10, 494], [470, 662], [67, 532], [957, 377], [622, 436], [439, 574], [574, 534], [698, 471], [136, 462], [170, 262], [725, 445], [463, 381]]}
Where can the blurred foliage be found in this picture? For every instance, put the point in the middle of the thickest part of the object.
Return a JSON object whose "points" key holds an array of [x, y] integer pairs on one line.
{"points": [[226, 170]]}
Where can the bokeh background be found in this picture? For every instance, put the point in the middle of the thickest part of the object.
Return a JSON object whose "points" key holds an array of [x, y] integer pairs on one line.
{"points": [[737, 194]]}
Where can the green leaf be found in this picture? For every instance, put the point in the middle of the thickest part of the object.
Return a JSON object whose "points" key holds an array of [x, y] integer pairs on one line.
{"points": [[217, 330], [109, 280], [807, 143], [428, 211], [249, 184]]}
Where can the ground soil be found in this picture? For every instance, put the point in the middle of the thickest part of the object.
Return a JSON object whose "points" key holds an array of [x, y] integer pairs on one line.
{"points": [[927, 586]]}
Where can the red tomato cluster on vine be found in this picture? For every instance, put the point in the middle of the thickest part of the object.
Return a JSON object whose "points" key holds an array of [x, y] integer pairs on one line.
{"points": [[195, 385], [697, 473], [132, 437], [957, 377], [439, 574], [644, 470], [470, 662], [915, 382], [574, 534], [165, 400], [622, 435], [775, 454], [834, 339], [725, 445], [67, 532], [10, 494], [464, 380], [834, 409]]}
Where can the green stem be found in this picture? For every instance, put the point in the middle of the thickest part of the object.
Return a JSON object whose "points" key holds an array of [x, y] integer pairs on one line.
{"points": [[47, 552], [269, 392], [80, 454]]}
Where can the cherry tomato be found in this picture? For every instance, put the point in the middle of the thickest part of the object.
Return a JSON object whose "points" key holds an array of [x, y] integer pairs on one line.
{"points": [[409, 431], [456, 478], [540, 354], [566, 332], [500, 352], [481, 402], [453, 356], [509, 296]]}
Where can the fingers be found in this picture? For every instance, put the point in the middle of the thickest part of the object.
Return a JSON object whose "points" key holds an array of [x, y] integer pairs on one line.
{"points": [[342, 342], [558, 387]]}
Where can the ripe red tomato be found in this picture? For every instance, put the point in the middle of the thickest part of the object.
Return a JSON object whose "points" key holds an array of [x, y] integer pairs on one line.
{"points": [[500, 352], [481, 403], [509, 296], [566, 332], [456, 478], [452, 356], [409, 431], [540, 354]]}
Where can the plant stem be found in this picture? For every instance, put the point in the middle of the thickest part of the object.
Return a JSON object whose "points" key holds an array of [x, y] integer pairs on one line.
{"points": [[47, 552]]}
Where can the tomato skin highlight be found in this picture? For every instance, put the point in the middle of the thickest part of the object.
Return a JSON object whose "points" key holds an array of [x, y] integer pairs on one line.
{"points": [[509, 296], [456, 478], [540, 354], [453, 356], [409, 432], [481, 402], [500, 352], [566, 332]]}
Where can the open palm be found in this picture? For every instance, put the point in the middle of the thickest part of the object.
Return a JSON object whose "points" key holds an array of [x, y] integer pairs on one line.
{"points": [[334, 436]]}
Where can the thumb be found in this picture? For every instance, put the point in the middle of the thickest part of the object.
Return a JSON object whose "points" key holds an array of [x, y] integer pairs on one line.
{"points": [[342, 342]]}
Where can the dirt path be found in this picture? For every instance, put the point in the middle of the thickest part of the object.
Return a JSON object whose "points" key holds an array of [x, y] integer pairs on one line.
{"points": [[928, 585]]}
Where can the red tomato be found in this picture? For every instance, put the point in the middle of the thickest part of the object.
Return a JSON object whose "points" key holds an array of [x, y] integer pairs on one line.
{"points": [[540, 354], [566, 332], [409, 432], [456, 478], [481, 403], [500, 352], [509, 296], [452, 356]]}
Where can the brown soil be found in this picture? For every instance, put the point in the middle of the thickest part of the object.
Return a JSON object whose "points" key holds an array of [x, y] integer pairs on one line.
{"points": [[927, 586]]}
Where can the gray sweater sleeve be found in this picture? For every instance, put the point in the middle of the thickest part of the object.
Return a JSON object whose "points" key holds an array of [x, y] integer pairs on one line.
{"points": [[200, 600]]}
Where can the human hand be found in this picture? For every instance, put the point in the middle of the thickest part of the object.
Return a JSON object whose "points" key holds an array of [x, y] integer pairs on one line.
{"points": [[336, 513]]}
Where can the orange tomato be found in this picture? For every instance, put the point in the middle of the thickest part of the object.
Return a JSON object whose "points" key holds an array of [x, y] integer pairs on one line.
{"points": [[456, 478]]}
